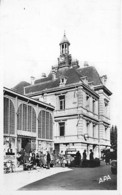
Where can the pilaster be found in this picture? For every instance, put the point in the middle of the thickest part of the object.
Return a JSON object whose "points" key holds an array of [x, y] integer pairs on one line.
{"points": [[101, 104], [80, 126], [80, 96]]}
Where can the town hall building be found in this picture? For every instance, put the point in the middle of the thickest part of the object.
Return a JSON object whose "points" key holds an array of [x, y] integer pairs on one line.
{"points": [[81, 100]]}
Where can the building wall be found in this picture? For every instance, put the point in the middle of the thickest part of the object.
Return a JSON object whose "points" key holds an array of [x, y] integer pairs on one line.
{"points": [[75, 127], [77, 114], [71, 99], [104, 116], [21, 121]]}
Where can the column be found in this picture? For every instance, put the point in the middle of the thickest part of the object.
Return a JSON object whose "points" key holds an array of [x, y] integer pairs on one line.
{"points": [[96, 107], [37, 112], [16, 108], [90, 129], [90, 104], [101, 104], [80, 96]]}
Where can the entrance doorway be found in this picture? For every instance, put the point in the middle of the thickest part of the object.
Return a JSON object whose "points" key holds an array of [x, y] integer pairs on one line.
{"points": [[57, 148], [26, 144]]}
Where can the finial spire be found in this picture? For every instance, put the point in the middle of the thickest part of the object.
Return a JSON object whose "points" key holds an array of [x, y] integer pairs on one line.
{"points": [[64, 33]]}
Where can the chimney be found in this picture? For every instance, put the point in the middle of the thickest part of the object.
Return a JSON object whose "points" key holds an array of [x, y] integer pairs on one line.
{"points": [[53, 74], [54, 70], [104, 79], [32, 80], [43, 75], [86, 64]]}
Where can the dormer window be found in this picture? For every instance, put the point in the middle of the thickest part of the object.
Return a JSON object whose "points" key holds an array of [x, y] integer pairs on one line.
{"points": [[84, 79], [63, 81]]}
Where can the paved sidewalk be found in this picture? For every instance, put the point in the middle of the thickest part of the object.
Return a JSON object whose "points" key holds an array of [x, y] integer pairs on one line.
{"points": [[20, 178]]}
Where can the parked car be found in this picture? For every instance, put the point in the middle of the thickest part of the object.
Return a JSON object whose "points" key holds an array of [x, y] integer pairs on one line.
{"points": [[114, 166], [70, 154], [71, 151]]}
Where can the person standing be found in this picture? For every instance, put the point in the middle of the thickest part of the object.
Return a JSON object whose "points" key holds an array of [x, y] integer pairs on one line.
{"points": [[42, 160], [84, 159], [78, 159], [33, 160], [48, 160], [37, 159], [61, 158], [91, 155], [22, 152], [84, 155]]}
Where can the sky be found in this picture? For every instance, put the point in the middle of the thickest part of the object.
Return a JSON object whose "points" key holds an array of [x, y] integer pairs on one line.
{"points": [[31, 31]]}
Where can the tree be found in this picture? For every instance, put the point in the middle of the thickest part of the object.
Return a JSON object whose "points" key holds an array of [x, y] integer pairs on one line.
{"points": [[113, 139]]}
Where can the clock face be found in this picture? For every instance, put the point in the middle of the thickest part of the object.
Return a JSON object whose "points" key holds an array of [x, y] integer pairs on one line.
{"points": [[62, 59]]}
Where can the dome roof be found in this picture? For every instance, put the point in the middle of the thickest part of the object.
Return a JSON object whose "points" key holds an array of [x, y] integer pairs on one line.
{"points": [[64, 40]]}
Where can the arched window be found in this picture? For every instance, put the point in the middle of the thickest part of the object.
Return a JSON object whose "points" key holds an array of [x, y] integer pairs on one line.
{"points": [[40, 125], [51, 127], [45, 125], [9, 116], [26, 118]]}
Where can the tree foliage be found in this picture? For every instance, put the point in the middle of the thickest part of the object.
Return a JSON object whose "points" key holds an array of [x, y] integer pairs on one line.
{"points": [[113, 137]]}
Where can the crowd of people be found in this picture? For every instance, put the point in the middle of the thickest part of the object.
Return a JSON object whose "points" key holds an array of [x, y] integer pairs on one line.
{"points": [[48, 159], [35, 159]]}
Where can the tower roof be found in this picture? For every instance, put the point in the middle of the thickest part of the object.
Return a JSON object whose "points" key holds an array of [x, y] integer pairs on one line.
{"points": [[64, 40]]}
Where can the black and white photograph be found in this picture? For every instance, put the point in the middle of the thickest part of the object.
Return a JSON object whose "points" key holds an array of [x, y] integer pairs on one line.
{"points": [[61, 75]]}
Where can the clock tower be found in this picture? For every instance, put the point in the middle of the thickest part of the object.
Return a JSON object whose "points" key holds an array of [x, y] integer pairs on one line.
{"points": [[64, 59]]}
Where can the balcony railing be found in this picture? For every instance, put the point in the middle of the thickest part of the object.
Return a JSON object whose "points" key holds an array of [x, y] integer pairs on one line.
{"points": [[104, 141], [75, 138], [67, 111], [75, 110]]}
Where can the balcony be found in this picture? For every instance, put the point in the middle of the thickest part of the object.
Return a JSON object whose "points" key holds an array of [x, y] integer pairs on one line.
{"points": [[67, 111], [74, 139], [105, 119], [90, 114], [105, 142]]}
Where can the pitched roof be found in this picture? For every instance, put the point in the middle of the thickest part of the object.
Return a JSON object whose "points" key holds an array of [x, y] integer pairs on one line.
{"points": [[91, 73], [43, 79], [19, 88], [72, 75], [42, 86]]}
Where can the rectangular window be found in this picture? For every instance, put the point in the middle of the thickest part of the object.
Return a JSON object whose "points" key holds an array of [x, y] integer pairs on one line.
{"points": [[62, 102], [61, 129], [106, 136], [93, 130], [87, 101], [93, 106], [106, 107], [87, 127]]}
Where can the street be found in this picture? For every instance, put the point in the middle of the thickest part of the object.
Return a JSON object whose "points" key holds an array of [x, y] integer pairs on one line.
{"points": [[99, 178]]}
